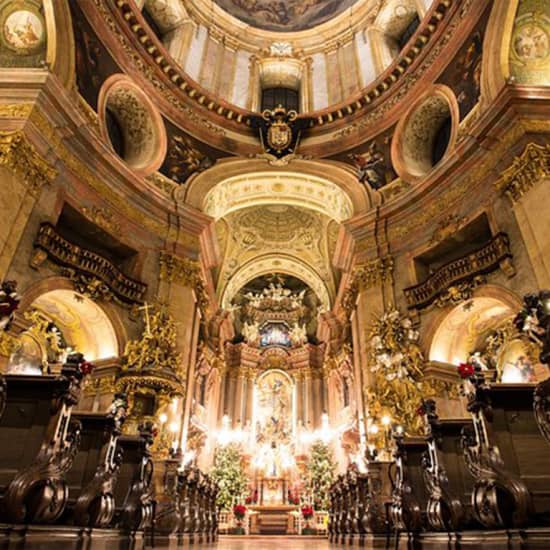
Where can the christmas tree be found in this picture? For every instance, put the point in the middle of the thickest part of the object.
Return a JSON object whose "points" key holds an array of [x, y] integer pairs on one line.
{"points": [[229, 473], [321, 474]]}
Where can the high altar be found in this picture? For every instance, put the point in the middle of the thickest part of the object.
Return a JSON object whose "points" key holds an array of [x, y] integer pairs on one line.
{"points": [[273, 396]]}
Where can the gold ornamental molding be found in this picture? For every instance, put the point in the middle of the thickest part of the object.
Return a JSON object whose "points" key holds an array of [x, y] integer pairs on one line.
{"points": [[181, 270], [374, 272], [525, 172], [15, 110], [81, 170], [19, 155], [186, 272], [366, 276]]}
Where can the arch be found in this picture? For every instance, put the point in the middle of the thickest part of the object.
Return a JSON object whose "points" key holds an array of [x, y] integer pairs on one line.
{"points": [[325, 186], [60, 47], [271, 263], [111, 327], [452, 336], [495, 64]]}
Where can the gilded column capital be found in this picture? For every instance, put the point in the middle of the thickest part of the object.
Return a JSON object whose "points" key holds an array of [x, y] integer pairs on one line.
{"points": [[19, 155], [373, 272], [532, 165], [365, 276], [185, 272], [15, 110]]}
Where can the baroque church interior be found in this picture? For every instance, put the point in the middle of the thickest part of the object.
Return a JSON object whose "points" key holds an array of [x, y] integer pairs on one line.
{"points": [[273, 274]]}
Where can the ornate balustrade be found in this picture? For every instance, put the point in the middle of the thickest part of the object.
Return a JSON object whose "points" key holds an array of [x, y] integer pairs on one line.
{"points": [[91, 273], [488, 258]]}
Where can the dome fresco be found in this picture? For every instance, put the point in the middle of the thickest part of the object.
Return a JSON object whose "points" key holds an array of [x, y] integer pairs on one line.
{"points": [[285, 15]]}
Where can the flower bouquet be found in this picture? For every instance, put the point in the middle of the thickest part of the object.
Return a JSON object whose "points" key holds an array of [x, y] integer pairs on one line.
{"points": [[239, 511], [307, 513]]}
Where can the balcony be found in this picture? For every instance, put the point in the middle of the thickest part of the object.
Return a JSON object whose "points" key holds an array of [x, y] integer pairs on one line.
{"points": [[88, 269], [489, 257]]}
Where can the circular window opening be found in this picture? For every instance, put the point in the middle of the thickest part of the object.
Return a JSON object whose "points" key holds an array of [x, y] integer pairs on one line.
{"points": [[425, 135], [442, 140], [115, 132], [131, 125]]}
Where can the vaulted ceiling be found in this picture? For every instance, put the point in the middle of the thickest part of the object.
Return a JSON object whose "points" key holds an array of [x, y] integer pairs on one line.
{"points": [[286, 15]]}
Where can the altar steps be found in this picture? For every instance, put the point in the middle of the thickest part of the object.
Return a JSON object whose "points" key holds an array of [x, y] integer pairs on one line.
{"points": [[273, 523]]}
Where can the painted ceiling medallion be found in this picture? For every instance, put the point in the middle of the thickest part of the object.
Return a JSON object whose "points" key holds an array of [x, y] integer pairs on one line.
{"points": [[285, 15], [23, 29]]}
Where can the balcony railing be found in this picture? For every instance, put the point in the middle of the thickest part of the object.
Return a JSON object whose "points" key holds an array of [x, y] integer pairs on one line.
{"points": [[484, 260], [88, 263]]}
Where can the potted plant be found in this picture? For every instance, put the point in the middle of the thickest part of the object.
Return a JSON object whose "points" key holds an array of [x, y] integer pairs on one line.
{"points": [[307, 514], [239, 511]]}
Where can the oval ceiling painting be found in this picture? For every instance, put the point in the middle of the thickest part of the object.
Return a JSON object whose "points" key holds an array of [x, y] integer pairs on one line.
{"points": [[285, 15]]}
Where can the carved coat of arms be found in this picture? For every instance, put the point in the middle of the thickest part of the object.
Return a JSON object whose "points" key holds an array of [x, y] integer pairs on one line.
{"points": [[279, 131]]}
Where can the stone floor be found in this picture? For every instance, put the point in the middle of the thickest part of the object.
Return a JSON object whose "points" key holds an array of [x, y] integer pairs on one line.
{"points": [[270, 543]]}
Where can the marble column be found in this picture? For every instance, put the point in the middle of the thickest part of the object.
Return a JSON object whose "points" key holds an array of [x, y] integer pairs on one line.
{"points": [[308, 404], [249, 398], [222, 397], [317, 400], [299, 399], [229, 406], [238, 403]]}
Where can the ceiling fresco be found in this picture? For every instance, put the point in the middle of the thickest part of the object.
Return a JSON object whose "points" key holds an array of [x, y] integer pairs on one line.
{"points": [[285, 15]]}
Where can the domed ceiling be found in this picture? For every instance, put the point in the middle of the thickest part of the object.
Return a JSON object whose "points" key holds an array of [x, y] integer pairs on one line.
{"points": [[285, 15]]}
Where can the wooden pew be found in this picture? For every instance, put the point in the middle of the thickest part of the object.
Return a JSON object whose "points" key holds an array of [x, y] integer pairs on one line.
{"points": [[134, 490], [506, 454], [448, 482], [93, 477], [39, 442], [409, 496]]}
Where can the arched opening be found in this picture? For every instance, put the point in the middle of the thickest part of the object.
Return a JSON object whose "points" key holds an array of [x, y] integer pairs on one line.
{"points": [[481, 331], [61, 321]]}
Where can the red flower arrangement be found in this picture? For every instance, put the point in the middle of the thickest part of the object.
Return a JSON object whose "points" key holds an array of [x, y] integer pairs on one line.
{"points": [[239, 511], [248, 500], [86, 367], [307, 512], [465, 370]]}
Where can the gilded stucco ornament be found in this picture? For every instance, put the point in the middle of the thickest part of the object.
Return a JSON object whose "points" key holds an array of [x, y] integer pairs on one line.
{"points": [[103, 217], [396, 363], [152, 366], [18, 154], [365, 276], [8, 344], [186, 272], [525, 172], [461, 292], [156, 349]]}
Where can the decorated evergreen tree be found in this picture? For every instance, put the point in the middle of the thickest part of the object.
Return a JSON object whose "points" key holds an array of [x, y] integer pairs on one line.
{"points": [[229, 473], [321, 474]]}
